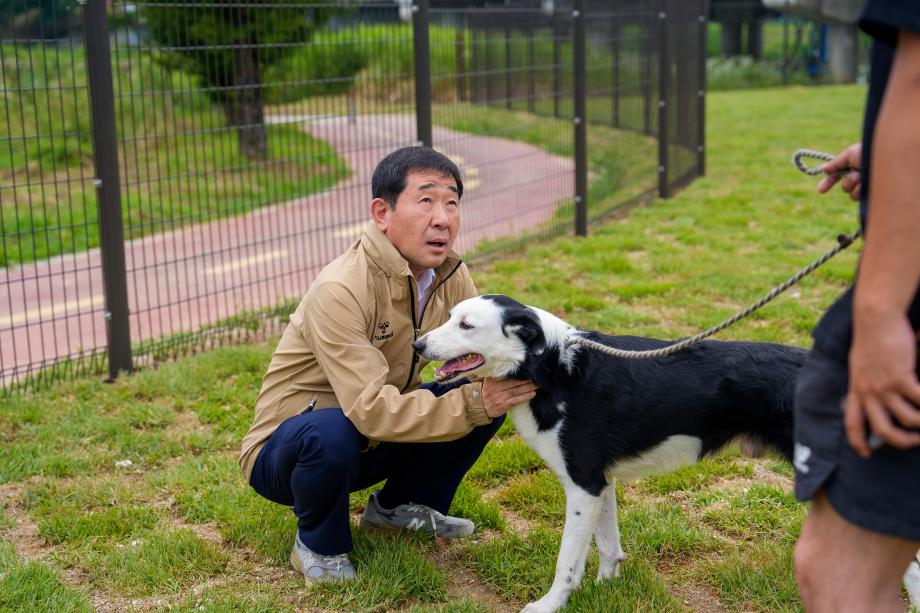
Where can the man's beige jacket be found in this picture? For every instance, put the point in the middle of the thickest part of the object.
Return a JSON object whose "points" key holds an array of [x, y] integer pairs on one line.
{"points": [[349, 345]]}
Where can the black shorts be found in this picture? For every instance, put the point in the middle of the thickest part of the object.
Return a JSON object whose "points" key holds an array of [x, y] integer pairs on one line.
{"points": [[880, 494]]}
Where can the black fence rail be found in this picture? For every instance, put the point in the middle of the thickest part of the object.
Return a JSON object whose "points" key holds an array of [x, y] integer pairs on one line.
{"points": [[173, 174]]}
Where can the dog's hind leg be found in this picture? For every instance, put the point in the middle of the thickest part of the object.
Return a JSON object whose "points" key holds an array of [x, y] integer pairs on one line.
{"points": [[581, 515], [912, 582], [607, 535]]}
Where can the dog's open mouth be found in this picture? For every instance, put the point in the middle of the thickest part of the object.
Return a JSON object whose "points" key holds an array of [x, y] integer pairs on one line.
{"points": [[456, 366]]}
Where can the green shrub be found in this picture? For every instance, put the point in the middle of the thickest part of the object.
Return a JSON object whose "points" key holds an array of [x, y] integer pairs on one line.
{"points": [[740, 72], [327, 65], [375, 59]]}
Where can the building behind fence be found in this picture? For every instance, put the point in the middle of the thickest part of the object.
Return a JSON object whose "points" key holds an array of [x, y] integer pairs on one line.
{"points": [[173, 174]]}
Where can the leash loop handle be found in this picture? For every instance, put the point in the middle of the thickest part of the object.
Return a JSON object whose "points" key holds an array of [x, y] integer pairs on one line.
{"points": [[813, 171]]}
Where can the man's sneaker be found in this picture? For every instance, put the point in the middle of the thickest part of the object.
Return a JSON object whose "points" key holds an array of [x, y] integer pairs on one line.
{"points": [[414, 517], [316, 567]]}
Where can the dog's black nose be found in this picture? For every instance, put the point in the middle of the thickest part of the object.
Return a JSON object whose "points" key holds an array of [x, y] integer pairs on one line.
{"points": [[419, 345]]}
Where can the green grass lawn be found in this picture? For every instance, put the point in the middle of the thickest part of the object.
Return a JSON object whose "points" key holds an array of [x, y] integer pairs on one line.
{"points": [[127, 496]]}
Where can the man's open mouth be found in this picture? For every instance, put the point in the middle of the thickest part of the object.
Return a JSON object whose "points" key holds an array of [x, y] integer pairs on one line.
{"points": [[460, 365], [439, 244]]}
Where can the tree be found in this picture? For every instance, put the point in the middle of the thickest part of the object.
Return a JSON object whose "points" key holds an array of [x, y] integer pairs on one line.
{"points": [[37, 18], [228, 44]]}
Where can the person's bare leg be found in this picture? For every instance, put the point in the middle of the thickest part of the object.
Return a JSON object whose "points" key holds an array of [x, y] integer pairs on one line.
{"points": [[842, 567]]}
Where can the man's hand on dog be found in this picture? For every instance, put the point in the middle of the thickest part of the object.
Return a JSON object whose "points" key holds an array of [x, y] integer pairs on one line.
{"points": [[501, 395]]}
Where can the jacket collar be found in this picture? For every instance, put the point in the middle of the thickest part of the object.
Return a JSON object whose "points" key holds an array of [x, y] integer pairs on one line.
{"points": [[382, 252]]}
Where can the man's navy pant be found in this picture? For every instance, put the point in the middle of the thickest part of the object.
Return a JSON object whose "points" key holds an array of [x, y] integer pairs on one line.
{"points": [[315, 459]]}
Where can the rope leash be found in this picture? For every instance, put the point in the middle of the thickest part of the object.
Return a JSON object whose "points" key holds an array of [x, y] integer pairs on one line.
{"points": [[816, 170], [843, 241]]}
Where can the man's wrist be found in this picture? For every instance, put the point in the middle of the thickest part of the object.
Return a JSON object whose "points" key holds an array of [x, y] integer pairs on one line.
{"points": [[871, 304], [476, 408]]}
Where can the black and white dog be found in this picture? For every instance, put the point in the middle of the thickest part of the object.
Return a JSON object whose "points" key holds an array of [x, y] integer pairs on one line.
{"points": [[598, 418]]}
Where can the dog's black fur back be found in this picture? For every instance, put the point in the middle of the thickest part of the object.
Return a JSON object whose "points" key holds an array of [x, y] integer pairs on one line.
{"points": [[616, 408]]}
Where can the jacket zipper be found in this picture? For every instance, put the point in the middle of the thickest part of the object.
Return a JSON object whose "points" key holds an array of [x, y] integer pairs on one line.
{"points": [[417, 325]]}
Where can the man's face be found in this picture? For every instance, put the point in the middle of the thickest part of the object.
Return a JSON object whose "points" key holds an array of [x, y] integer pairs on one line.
{"points": [[424, 223]]}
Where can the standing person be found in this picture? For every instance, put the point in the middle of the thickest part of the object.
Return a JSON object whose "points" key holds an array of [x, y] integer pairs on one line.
{"points": [[860, 467], [341, 407]]}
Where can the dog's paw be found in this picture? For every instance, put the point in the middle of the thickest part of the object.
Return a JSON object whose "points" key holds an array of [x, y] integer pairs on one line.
{"points": [[534, 607], [912, 583], [543, 606], [611, 572], [610, 569]]}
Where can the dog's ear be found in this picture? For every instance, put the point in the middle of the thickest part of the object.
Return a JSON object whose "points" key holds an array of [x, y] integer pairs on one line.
{"points": [[525, 324]]}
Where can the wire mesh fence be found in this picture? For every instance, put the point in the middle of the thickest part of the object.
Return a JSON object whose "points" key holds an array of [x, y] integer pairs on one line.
{"points": [[173, 174]]}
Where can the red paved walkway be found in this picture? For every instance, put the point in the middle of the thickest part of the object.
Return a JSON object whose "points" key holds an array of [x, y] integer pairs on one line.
{"points": [[180, 280]]}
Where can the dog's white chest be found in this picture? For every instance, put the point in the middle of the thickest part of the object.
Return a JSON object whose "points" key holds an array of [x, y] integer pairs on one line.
{"points": [[545, 443]]}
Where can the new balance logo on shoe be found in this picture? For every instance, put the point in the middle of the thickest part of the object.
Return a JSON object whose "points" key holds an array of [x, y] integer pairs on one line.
{"points": [[415, 524]]}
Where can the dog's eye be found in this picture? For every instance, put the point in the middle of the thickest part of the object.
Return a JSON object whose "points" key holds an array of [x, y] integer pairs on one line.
{"points": [[465, 326]]}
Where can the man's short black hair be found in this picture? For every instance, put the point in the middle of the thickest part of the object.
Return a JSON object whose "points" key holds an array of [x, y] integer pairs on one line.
{"points": [[390, 175]]}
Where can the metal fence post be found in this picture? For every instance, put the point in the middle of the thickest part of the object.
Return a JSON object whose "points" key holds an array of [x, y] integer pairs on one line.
{"points": [[509, 94], [476, 66], [580, 119], [785, 43], [615, 59], [664, 78], [461, 65], [422, 72], [557, 61], [108, 186], [489, 67], [647, 71], [701, 82], [531, 80]]}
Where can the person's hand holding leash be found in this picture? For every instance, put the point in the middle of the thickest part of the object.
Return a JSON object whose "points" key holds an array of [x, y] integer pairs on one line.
{"points": [[501, 395], [849, 158]]}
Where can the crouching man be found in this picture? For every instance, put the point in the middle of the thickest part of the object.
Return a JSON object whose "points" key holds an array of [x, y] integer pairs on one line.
{"points": [[341, 407]]}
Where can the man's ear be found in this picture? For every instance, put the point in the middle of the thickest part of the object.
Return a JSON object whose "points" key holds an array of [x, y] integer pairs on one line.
{"points": [[380, 213]]}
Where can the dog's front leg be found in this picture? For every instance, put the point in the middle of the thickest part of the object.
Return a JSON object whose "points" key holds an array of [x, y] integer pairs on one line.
{"points": [[581, 514], [607, 536]]}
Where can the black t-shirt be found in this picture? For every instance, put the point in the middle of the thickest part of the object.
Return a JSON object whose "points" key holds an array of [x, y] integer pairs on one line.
{"points": [[882, 19]]}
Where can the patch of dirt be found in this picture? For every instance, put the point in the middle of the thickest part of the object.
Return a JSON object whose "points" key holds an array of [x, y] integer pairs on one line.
{"points": [[762, 475], [28, 545], [696, 598], [464, 584], [520, 525], [494, 492], [207, 532], [23, 532]]}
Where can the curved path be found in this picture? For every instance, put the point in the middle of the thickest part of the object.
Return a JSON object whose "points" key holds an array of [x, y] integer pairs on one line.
{"points": [[181, 280]]}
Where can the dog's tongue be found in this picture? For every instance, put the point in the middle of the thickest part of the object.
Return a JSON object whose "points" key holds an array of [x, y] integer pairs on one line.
{"points": [[463, 363]]}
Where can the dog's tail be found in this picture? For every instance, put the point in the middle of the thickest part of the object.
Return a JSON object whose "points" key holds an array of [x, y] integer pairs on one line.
{"points": [[756, 444], [751, 446]]}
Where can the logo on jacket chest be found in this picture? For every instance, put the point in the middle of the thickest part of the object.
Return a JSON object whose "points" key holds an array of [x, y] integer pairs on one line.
{"points": [[382, 331]]}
